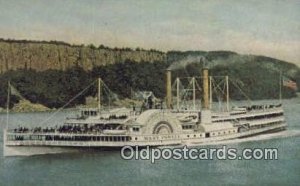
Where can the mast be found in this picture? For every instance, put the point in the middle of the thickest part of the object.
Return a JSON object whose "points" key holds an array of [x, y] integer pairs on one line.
{"points": [[280, 87], [178, 96], [227, 94], [194, 93], [7, 104], [99, 95], [210, 92]]}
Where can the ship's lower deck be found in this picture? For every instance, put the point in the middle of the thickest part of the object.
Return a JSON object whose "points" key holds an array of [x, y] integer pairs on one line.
{"points": [[43, 146]]}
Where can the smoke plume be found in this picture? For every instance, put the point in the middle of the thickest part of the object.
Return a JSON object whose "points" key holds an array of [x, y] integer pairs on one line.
{"points": [[187, 61]]}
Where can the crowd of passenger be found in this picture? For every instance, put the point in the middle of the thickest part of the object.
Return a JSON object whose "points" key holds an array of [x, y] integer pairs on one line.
{"points": [[21, 130], [74, 129], [78, 129], [261, 107], [34, 130]]}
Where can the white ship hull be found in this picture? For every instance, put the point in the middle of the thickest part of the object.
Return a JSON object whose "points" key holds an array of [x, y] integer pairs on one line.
{"points": [[36, 150], [29, 148]]}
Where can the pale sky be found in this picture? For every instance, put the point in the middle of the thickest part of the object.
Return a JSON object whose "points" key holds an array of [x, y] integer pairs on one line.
{"points": [[261, 27]]}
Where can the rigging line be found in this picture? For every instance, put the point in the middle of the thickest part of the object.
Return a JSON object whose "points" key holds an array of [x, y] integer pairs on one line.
{"points": [[222, 92], [185, 91], [199, 87], [105, 86], [183, 88], [110, 94], [184, 96], [107, 91], [188, 91], [109, 97], [248, 99], [182, 91], [220, 82], [219, 94], [217, 86], [57, 111], [180, 88], [173, 87]]}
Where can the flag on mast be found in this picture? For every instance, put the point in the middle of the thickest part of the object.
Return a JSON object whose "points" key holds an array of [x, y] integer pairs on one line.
{"points": [[289, 83]]}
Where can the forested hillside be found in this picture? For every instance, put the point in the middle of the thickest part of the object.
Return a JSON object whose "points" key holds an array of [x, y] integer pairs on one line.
{"points": [[258, 76]]}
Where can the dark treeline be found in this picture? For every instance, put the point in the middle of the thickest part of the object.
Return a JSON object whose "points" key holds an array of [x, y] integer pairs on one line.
{"points": [[255, 81], [250, 79], [54, 88], [91, 46]]}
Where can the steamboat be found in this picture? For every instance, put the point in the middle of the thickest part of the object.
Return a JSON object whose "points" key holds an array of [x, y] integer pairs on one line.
{"points": [[163, 124]]}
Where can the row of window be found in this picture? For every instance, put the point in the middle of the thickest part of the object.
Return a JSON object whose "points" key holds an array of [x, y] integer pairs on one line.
{"points": [[214, 133], [187, 127], [136, 129], [89, 113], [255, 117], [265, 125], [223, 132], [194, 136]]}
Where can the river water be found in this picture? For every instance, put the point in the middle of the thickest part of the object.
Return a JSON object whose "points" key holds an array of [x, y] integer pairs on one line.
{"points": [[108, 168]]}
